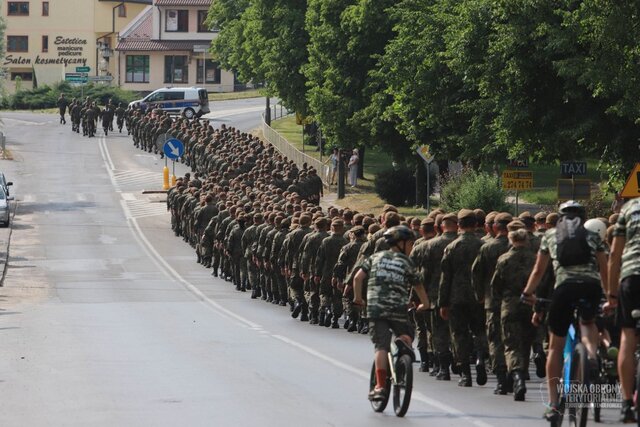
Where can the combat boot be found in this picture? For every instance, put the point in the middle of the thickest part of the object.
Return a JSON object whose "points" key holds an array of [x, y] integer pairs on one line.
{"points": [[365, 327], [353, 327], [481, 372], [264, 294], [304, 317], [424, 360], [465, 372], [297, 308], [313, 318], [347, 323], [519, 387], [436, 364], [321, 315], [335, 324], [501, 386], [269, 297], [327, 317], [445, 362]]}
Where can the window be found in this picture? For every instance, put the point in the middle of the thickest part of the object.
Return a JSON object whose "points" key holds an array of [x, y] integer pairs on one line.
{"points": [[202, 27], [137, 69], [45, 8], [18, 8], [176, 69], [177, 20], [25, 77], [122, 11], [174, 96], [211, 71], [45, 43], [17, 43]]}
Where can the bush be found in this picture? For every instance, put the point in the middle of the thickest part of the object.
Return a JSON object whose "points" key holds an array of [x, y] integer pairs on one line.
{"points": [[46, 96], [396, 186], [470, 189]]}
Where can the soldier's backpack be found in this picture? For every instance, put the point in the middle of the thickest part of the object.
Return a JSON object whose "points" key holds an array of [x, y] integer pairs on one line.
{"points": [[571, 240]]}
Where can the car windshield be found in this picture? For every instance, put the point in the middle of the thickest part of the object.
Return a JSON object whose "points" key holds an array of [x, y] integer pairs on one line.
{"points": [[2, 195]]}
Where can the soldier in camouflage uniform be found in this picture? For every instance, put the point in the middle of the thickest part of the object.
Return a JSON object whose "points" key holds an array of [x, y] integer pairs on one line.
{"points": [[458, 302], [483, 269], [277, 260], [390, 276], [250, 236], [511, 275], [330, 293], [234, 250], [342, 270], [307, 261], [292, 268]]}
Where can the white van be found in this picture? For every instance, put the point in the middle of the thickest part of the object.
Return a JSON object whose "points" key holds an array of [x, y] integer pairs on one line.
{"points": [[188, 101]]}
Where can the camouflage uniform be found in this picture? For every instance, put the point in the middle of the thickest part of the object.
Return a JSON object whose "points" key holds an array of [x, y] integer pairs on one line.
{"points": [[330, 295]]}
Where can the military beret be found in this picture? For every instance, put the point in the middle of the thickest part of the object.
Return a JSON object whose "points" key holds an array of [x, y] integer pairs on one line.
{"points": [[491, 217], [439, 218], [338, 223], [450, 217], [503, 218], [519, 235], [526, 216], [358, 230], [515, 225], [389, 208], [428, 221], [321, 222], [480, 215], [466, 213], [286, 223], [552, 218], [540, 216]]}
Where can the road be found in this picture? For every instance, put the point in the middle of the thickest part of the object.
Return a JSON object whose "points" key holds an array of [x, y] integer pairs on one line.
{"points": [[107, 320]]}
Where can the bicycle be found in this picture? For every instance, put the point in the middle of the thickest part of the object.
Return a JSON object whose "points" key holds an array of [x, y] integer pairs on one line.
{"points": [[575, 376], [400, 376]]}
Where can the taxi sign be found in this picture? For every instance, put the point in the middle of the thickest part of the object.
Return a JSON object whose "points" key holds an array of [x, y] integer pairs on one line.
{"points": [[632, 187], [517, 180], [424, 151]]}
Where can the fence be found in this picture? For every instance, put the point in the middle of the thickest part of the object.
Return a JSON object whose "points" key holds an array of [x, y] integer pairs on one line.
{"points": [[288, 150]]}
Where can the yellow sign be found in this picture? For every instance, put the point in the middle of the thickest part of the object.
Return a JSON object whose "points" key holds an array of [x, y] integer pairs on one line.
{"points": [[517, 180], [425, 152], [632, 187]]}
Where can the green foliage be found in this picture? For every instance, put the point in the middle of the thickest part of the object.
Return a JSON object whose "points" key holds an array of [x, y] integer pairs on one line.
{"points": [[47, 96], [396, 186], [599, 205], [470, 189]]}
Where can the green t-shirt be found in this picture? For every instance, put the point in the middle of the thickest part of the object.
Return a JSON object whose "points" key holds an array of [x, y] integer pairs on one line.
{"points": [[628, 226], [390, 278], [582, 272]]}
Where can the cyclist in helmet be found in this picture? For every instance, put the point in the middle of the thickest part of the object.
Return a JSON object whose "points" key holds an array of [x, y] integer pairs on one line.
{"points": [[580, 267], [389, 276]]}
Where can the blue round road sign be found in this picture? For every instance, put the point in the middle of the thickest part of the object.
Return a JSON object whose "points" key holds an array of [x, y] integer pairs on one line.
{"points": [[173, 149]]}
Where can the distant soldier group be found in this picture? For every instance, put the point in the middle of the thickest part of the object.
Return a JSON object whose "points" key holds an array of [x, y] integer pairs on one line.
{"points": [[86, 115]]}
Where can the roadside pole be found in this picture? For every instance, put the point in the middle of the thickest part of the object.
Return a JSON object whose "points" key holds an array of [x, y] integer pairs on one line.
{"points": [[341, 176]]}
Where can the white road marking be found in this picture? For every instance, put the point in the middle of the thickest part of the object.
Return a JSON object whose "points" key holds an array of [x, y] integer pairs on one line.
{"points": [[81, 197], [128, 196], [169, 271]]}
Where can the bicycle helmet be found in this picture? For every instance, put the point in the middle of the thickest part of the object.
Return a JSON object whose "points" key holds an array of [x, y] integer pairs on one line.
{"points": [[397, 234], [571, 207], [597, 226]]}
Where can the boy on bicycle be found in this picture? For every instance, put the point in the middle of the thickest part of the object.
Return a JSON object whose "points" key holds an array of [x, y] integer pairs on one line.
{"points": [[390, 276], [624, 270], [578, 285]]}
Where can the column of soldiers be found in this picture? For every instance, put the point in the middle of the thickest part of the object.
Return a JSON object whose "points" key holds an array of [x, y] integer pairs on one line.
{"points": [[86, 115], [254, 220]]}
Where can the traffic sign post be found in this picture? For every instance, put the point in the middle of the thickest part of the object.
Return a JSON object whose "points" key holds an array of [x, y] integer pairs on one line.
{"points": [[173, 149], [83, 69], [424, 151], [574, 189], [517, 180], [632, 186]]}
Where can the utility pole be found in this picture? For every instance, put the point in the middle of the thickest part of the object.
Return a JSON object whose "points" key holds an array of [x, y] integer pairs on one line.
{"points": [[341, 175], [267, 113]]}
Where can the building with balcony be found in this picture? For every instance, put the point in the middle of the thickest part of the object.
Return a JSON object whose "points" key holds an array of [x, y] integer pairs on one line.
{"points": [[47, 40], [167, 44]]}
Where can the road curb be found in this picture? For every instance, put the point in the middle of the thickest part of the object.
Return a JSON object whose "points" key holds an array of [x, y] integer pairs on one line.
{"points": [[5, 240]]}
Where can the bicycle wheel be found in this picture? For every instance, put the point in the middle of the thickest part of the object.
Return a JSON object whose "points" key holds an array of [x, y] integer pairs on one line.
{"points": [[379, 405], [580, 375], [403, 385]]}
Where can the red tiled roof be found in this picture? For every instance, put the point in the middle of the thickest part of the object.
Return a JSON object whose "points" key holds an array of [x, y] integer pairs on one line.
{"points": [[183, 2], [159, 45]]}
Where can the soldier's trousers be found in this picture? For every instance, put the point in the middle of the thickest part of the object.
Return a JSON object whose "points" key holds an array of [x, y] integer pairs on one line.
{"points": [[254, 274], [331, 298], [281, 285], [494, 336], [347, 305], [311, 295], [217, 258], [422, 321], [466, 322], [237, 271], [296, 288], [517, 334], [440, 332]]}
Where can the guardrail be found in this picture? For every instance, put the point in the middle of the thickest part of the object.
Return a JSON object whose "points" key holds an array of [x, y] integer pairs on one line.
{"points": [[292, 153]]}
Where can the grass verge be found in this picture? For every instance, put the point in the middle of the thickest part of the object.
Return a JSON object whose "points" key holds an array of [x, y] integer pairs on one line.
{"points": [[229, 96]]}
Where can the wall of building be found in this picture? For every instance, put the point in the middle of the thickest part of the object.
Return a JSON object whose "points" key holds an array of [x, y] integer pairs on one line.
{"points": [[72, 32], [160, 21], [156, 74]]}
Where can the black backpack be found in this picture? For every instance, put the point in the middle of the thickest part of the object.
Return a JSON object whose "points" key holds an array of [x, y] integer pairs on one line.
{"points": [[571, 240]]}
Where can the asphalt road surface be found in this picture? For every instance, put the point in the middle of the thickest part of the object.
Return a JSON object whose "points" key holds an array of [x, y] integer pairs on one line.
{"points": [[106, 319]]}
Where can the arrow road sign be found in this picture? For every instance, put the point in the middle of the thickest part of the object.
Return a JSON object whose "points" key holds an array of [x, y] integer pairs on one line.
{"points": [[173, 149]]}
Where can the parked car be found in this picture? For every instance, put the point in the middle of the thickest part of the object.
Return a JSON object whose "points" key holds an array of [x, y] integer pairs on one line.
{"points": [[188, 101], [4, 184], [5, 211]]}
